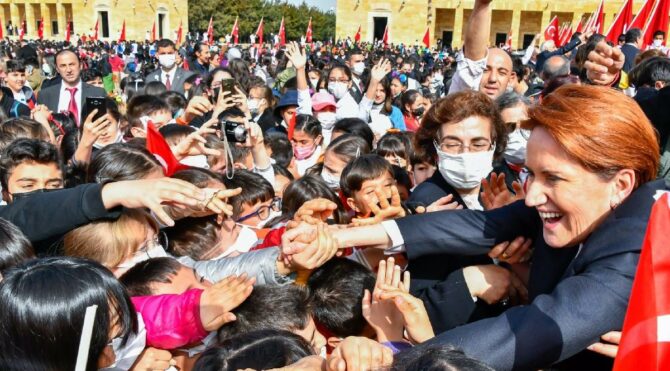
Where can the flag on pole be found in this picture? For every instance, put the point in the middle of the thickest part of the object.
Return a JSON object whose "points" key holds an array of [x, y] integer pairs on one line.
{"points": [[122, 36], [22, 30], [640, 19], [180, 34], [658, 21], [580, 25], [210, 31], [385, 38], [597, 20], [1, 30], [621, 23], [153, 32], [567, 35], [291, 126], [40, 30], [308, 34], [645, 339], [551, 32], [426, 37], [282, 33], [68, 31], [235, 33], [158, 147], [357, 37], [259, 32], [95, 29]]}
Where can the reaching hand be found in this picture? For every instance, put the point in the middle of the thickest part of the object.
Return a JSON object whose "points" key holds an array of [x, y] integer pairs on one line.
{"points": [[492, 283], [610, 350], [197, 106], [296, 55], [495, 193], [443, 203], [604, 64], [240, 99], [315, 211], [94, 129], [380, 70], [195, 144], [215, 203], [359, 354], [414, 314], [383, 315], [385, 210], [217, 302], [224, 101], [153, 359], [317, 253], [517, 251]]}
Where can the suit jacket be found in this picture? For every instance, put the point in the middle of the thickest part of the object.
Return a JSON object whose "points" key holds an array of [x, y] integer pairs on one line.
{"points": [[440, 282], [542, 57], [177, 83], [356, 91], [577, 293], [50, 96], [630, 51]]}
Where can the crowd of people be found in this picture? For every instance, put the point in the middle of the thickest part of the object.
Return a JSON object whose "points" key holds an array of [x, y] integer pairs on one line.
{"points": [[315, 206]]}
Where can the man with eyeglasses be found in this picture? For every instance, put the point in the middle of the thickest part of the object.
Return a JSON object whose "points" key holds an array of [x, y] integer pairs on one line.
{"points": [[513, 111]]}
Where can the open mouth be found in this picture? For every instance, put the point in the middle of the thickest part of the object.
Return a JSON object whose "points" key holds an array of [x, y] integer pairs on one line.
{"points": [[550, 219]]}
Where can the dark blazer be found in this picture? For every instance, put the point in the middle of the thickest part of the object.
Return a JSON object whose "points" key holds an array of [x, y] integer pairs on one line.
{"points": [[542, 57], [440, 282], [51, 95], [577, 293], [177, 83], [630, 51], [655, 106], [356, 91]]}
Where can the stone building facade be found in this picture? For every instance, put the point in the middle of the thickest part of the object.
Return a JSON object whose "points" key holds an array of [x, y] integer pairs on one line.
{"points": [[139, 16], [446, 19]]}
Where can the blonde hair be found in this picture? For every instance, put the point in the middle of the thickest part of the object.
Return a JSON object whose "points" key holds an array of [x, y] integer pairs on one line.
{"points": [[110, 242]]}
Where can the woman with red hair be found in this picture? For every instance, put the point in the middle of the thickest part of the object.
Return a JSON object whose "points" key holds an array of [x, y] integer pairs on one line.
{"points": [[592, 159]]}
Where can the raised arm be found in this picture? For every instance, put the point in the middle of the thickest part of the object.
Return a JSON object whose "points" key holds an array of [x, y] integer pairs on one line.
{"points": [[477, 31]]}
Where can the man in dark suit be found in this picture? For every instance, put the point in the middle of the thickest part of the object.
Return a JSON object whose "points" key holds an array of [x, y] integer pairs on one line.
{"points": [[71, 93], [634, 42], [549, 50], [171, 75], [356, 63]]}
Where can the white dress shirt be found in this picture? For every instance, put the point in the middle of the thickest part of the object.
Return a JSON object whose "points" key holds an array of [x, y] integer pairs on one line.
{"points": [[170, 74], [64, 99]]}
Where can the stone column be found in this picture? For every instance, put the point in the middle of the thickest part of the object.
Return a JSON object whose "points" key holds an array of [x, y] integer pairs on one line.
{"points": [[30, 22], [62, 20], [15, 17], [516, 25], [457, 39]]}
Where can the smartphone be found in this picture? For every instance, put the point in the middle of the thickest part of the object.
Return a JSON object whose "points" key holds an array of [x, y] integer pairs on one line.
{"points": [[96, 103], [215, 95], [229, 86]]}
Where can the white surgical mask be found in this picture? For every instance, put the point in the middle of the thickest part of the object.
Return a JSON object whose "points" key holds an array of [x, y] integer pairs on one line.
{"points": [[126, 356], [358, 69], [167, 60], [331, 180], [243, 243], [327, 119], [253, 105], [338, 89], [199, 161], [315, 83], [515, 152], [465, 170], [658, 43]]}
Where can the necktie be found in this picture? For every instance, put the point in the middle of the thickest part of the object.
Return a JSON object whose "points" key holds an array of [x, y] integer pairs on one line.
{"points": [[168, 84], [72, 107]]}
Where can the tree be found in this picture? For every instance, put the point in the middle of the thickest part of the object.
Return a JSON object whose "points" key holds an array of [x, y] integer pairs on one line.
{"points": [[250, 12]]}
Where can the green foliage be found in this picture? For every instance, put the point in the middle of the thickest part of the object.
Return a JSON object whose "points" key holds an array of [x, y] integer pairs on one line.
{"points": [[250, 12]]}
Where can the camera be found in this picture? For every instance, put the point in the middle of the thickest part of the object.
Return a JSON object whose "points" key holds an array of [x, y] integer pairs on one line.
{"points": [[234, 131]]}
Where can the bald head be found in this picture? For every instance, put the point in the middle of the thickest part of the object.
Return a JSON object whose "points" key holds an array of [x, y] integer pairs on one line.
{"points": [[497, 73], [555, 66]]}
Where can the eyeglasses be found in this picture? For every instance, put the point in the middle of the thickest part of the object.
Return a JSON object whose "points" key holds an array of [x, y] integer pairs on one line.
{"points": [[454, 147], [263, 212]]}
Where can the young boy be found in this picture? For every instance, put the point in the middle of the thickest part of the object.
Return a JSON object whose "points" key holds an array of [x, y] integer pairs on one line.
{"points": [[16, 82]]}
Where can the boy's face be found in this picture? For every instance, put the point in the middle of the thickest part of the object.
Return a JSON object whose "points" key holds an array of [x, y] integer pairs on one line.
{"points": [[185, 279], [32, 176], [367, 195], [422, 171], [312, 335], [16, 80], [260, 211]]}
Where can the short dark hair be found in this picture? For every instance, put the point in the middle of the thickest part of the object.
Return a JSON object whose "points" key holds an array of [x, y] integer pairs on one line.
{"points": [[254, 189], [173, 133], [356, 127], [49, 316], [138, 279], [14, 246], [21, 127], [282, 150], [310, 187], [395, 144], [649, 71], [165, 43], [436, 357], [193, 237], [408, 98], [15, 65], [199, 177], [27, 150], [270, 307], [90, 74], [633, 35], [175, 100], [258, 350], [144, 105], [309, 124], [659, 33], [361, 169], [120, 161], [336, 293]]}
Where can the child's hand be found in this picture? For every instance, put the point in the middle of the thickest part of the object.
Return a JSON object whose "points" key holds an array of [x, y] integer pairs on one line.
{"points": [[385, 210], [414, 314], [359, 353], [382, 314]]}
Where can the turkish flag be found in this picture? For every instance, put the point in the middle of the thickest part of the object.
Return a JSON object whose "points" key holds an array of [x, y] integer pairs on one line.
{"points": [[210, 31], [357, 37], [22, 31], [308, 34], [1, 30], [157, 145], [235, 33], [291, 126], [282, 33], [259, 32], [68, 32], [658, 21], [40, 30], [95, 29], [645, 340], [551, 32], [153, 32], [385, 38], [180, 34], [622, 22], [426, 38], [122, 36], [640, 19]]}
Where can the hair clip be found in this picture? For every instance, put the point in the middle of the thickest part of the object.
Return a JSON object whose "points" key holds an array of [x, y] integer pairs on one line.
{"points": [[197, 81], [56, 124]]}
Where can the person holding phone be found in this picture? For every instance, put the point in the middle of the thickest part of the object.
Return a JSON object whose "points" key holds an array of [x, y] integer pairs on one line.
{"points": [[101, 128]]}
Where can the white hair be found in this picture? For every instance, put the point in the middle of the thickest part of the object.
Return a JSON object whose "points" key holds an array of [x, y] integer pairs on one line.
{"points": [[547, 45]]}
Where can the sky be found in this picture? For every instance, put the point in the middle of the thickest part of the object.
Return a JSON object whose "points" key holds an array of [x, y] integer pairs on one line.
{"points": [[323, 4]]}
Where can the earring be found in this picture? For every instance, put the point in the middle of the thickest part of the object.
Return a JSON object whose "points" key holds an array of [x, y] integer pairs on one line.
{"points": [[614, 204]]}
